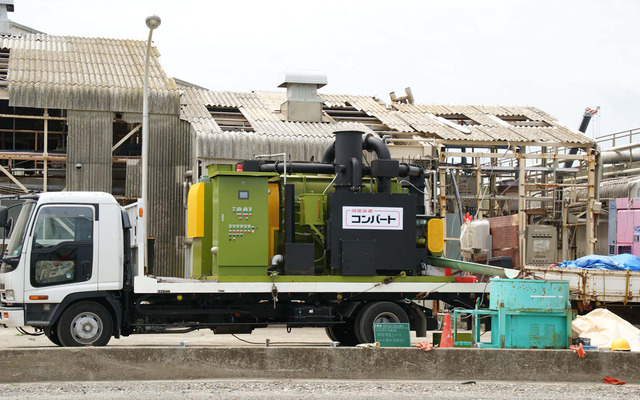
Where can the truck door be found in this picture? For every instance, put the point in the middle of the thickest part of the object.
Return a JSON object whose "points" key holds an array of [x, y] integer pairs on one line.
{"points": [[61, 253]]}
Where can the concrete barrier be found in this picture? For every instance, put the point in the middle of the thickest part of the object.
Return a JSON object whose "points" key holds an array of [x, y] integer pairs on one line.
{"points": [[123, 363]]}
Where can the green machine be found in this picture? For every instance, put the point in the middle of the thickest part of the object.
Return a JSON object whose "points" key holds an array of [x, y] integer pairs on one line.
{"points": [[337, 220], [233, 215]]}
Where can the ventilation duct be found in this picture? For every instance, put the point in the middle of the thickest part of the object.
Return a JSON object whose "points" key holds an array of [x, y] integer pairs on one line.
{"points": [[6, 6], [303, 103]]}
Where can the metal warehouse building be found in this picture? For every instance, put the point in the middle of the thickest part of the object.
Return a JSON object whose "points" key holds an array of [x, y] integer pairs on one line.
{"points": [[70, 115]]}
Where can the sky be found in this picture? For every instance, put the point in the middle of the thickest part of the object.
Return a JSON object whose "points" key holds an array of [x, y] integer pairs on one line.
{"points": [[558, 56]]}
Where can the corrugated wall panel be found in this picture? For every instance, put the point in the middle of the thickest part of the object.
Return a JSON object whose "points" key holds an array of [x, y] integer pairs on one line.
{"points": [[169, 158], [132, 182], [89, 143]]}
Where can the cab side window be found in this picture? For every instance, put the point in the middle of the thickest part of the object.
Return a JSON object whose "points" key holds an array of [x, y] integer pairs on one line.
{"points": [[62, 250]]}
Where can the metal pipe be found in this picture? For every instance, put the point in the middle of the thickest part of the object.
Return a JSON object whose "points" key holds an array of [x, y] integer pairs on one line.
{"points": [[433, 190], [45, 155], [455, 188], [293, 168], [356, 174], [522, 204], [624, 147], [612, 157], [143, 212], [622, 172], [409, 170], [375, 144], [329, 154], [348, 146], [501, 197], [283, 155], [586, 118], [467, 266], [289, 214]]}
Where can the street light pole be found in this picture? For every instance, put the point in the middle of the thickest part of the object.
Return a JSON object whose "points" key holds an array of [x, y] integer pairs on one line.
{"points": [[143, 211]]}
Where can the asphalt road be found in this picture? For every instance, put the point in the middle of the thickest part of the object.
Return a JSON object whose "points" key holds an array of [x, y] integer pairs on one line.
{"points": [[314, 389]]}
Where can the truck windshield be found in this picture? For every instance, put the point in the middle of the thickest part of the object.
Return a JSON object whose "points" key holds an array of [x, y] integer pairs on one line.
{"points": [[14, 247]]}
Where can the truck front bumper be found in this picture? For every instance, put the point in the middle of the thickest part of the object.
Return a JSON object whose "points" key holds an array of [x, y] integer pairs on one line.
{"points": [[11, 316]]}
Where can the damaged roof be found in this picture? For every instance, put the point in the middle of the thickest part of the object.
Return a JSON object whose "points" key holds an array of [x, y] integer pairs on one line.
{"points": [[265, 129]]}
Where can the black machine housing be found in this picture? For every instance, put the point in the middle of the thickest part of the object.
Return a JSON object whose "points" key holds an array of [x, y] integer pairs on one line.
{"points": [[366, 234]]}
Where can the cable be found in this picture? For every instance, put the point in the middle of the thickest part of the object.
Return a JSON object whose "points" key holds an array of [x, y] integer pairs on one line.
{"points": [[483, 292], [21, 330], [272, 343], [385, 281], [330, 183], [246, 341], [422, 295], [413, 186]]}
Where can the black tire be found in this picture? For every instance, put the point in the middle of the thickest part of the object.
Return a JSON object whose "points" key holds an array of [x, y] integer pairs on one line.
{"points": [[329, 331], [343, 333], [52, 335], [380, 312], [85, 324]]}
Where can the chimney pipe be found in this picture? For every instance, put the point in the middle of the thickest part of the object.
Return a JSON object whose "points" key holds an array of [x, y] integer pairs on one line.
{"points": [[6, 6]]}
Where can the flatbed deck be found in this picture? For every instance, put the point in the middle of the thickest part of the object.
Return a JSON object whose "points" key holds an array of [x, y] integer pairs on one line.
{"points": [[594, 284], [302, 284]]}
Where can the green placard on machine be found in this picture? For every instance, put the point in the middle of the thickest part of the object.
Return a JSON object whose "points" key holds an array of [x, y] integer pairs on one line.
{"points": [[392, 334]]}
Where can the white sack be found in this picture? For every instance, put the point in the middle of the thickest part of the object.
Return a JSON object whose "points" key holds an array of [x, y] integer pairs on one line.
{"points": [[602, 327]]}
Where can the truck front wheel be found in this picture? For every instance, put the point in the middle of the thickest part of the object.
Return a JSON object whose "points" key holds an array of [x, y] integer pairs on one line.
{"points": [[52, 335], [85, 324]]}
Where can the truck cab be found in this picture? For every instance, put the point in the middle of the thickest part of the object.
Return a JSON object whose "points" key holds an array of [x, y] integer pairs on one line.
{"points": [[63, 248]]}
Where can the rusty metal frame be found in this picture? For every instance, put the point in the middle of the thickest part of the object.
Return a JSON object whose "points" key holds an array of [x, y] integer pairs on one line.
{"points": [[529, 188]]}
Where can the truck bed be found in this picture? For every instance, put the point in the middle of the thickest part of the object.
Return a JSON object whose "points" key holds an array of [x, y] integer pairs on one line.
{"points": [[292, 284], [606, 286]]}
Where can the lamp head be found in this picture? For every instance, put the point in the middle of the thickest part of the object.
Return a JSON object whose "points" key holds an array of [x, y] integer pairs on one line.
{"points": [[153, 22]]}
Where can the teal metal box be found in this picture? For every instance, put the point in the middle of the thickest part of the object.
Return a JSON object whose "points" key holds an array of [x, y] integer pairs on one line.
{"points": [[529, 295], [525, 314]]}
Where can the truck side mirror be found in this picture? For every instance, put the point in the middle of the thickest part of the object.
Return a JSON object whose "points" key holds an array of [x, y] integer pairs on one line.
{"points": [[7, 226], [4, 215]]}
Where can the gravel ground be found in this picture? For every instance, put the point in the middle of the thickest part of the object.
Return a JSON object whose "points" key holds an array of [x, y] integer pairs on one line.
{"points": [[302, 389], [284, 389]]}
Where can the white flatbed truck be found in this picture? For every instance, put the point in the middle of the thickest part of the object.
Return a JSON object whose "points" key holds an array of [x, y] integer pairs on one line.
{"points": [[67, 272]]}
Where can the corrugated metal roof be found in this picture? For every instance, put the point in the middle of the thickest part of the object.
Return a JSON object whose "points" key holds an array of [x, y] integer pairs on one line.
{"points": [[270, 133], [490, 126], [85, 74], [487, 123]]}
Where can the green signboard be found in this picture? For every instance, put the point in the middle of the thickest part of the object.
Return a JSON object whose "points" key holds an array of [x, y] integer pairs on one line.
{"points": [[392, 334]]}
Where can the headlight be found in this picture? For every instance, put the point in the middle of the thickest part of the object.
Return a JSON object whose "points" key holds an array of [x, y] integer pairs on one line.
{"points": [[10, 296]]}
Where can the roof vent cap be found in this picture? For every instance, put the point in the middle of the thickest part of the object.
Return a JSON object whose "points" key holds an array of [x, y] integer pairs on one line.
{"points": [[303, 76]]}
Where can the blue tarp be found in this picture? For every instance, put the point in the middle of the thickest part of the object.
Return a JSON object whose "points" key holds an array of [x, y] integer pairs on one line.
{"points": [[620, 262]]}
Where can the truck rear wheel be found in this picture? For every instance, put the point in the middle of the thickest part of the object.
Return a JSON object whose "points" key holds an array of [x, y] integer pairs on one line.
{"points": [[343, 333], [85, 324], [379, 312]]}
